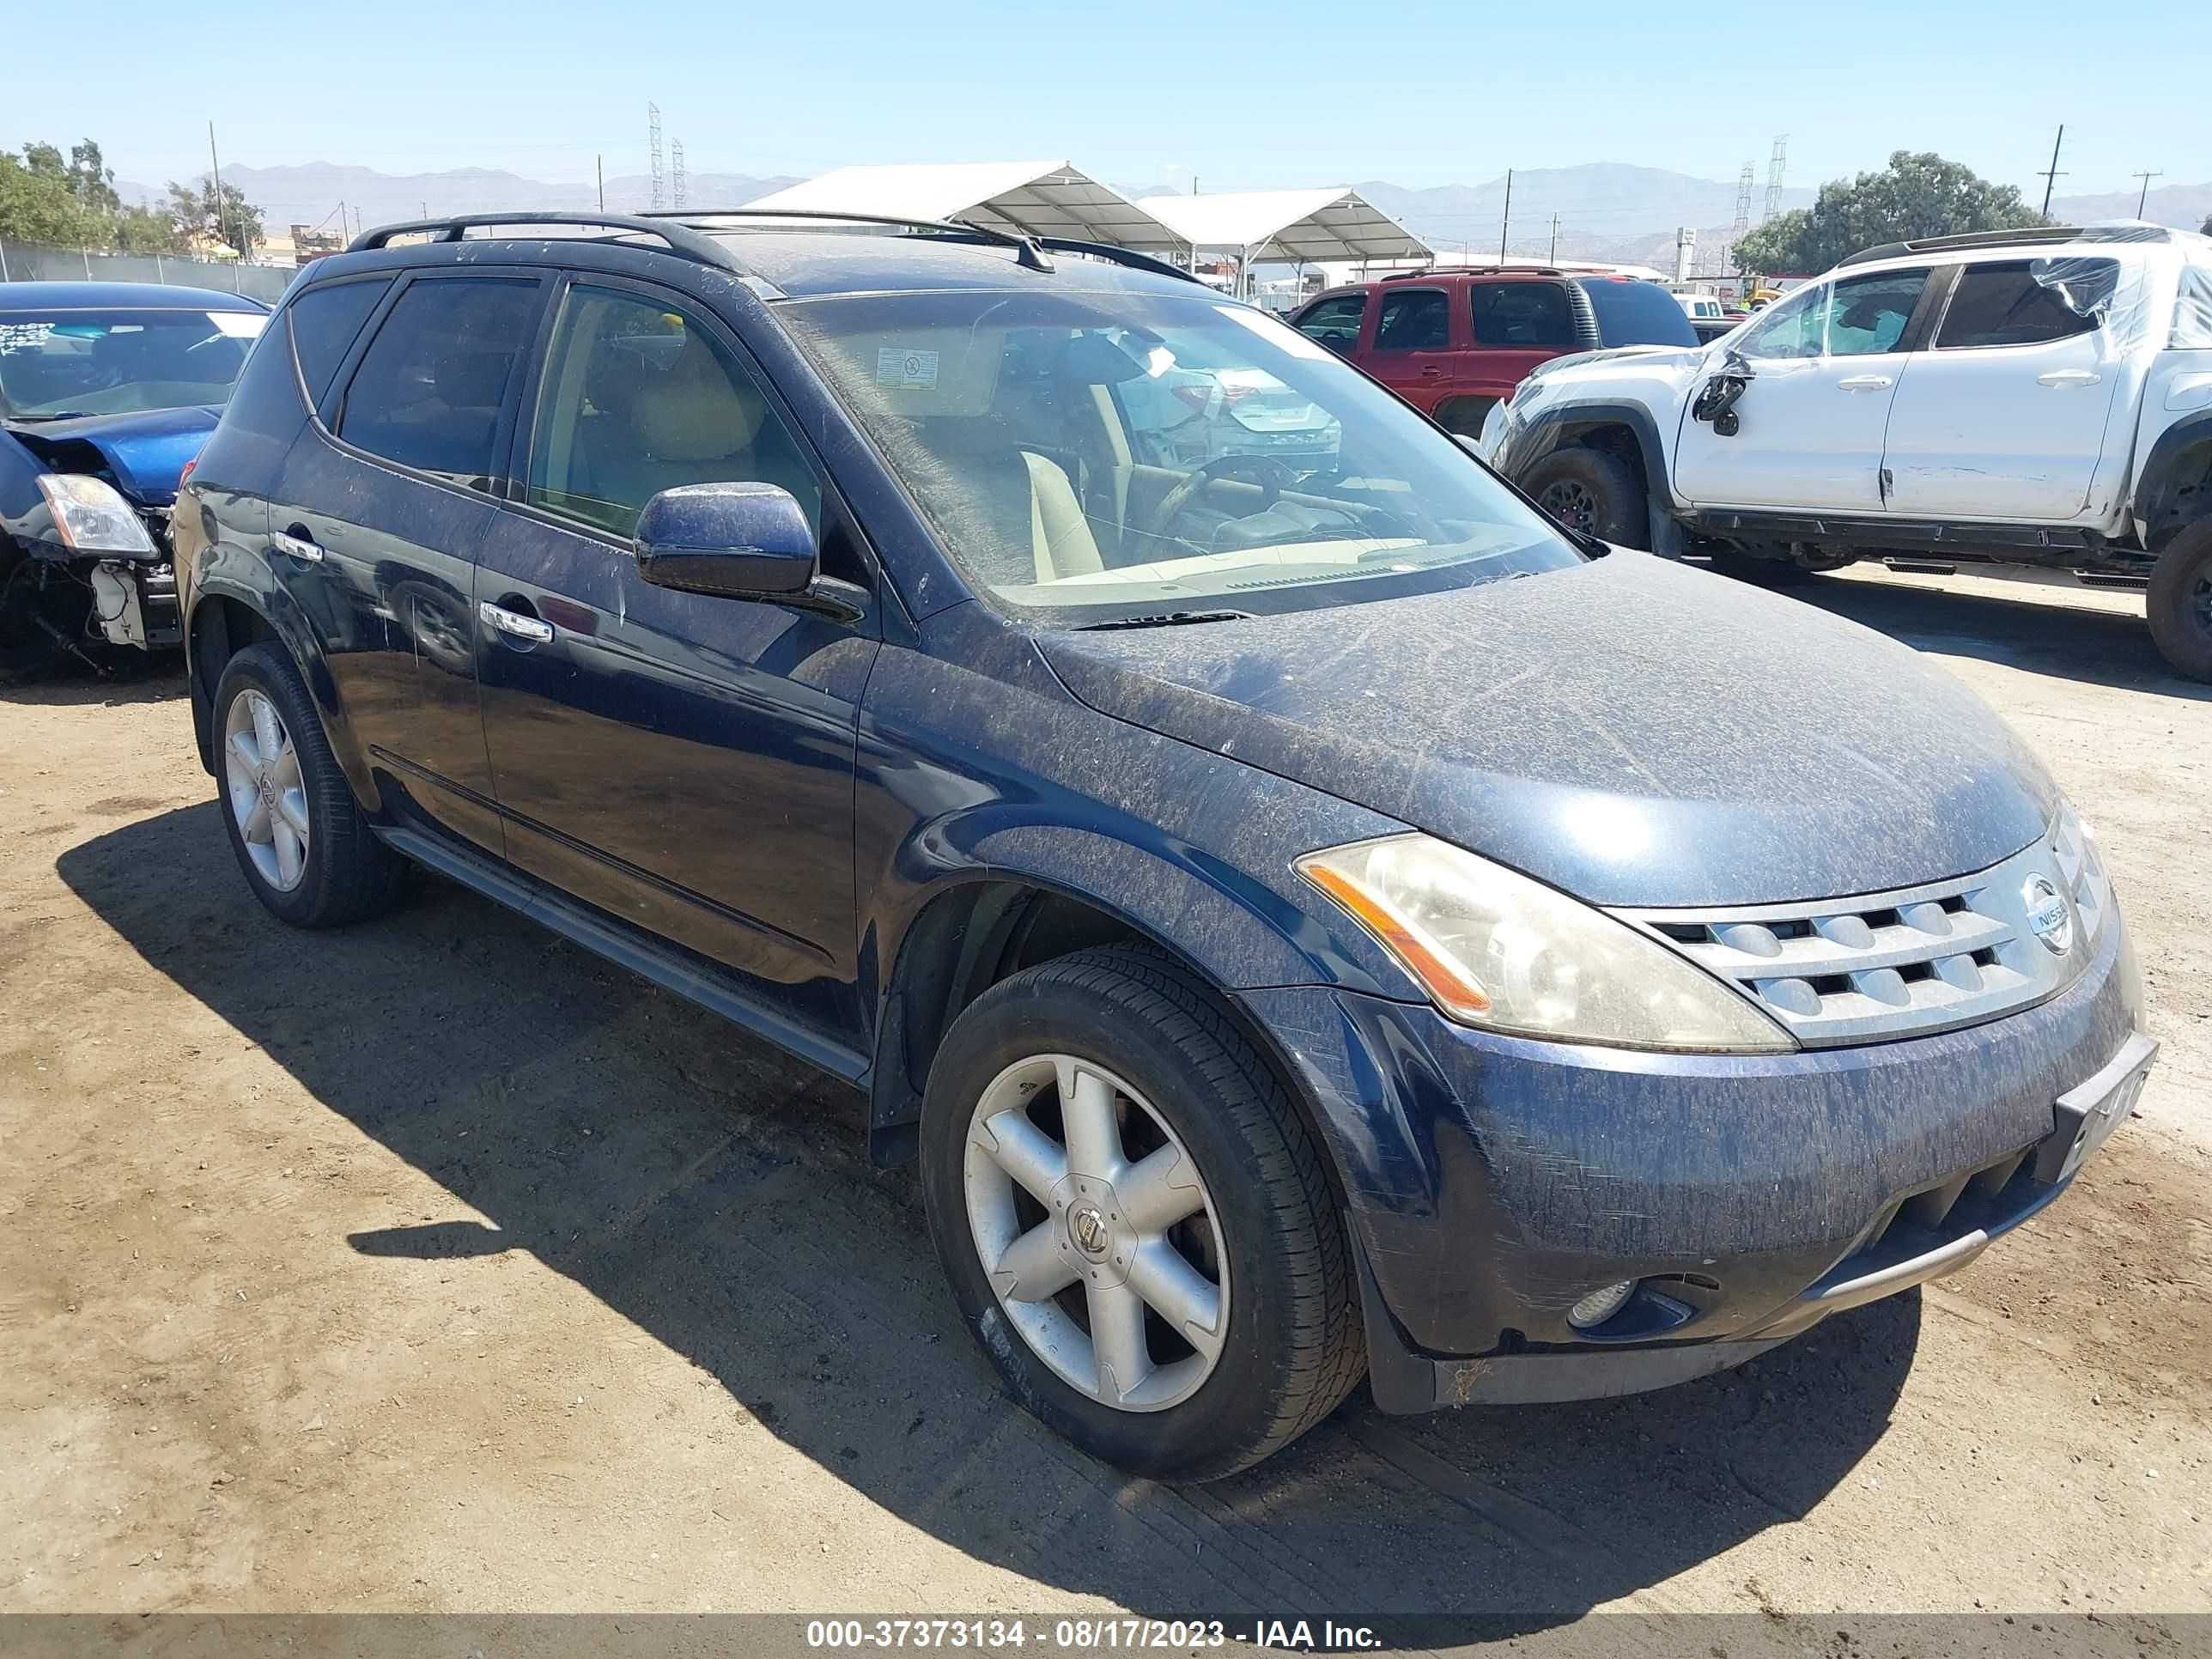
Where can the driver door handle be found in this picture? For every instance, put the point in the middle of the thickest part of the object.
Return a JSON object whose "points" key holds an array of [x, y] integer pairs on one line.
{"points": [[2068, 377], [514, 623], [1865, 383]]}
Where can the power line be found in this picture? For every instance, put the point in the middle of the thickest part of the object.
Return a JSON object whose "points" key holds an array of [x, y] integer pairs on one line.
{"points": [[1774, 166], [676, 168], [653, 130]]}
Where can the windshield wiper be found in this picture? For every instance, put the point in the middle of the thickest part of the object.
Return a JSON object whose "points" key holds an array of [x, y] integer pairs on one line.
{"points": [[1169, 619]]}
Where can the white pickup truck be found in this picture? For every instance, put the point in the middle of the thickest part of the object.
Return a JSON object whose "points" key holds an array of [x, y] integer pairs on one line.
{"points": [[2039, 397]]}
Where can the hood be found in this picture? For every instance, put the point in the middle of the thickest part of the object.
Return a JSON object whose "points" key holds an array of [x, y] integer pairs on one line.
{"points": [[1664, 356], [145, 449], [1632, 730]]}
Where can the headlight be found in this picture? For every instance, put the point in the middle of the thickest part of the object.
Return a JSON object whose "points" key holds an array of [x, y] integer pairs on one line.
{"points": [[1497, 951], [89, 517]]}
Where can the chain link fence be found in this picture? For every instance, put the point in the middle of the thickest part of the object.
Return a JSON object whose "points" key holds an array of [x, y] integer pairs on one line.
{"points": [[26, 262]]}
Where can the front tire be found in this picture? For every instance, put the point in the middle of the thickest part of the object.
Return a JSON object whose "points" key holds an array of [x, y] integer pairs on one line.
{"points": [[1594, 491], [2179, 603], [1136, 1223], [300, 839]]}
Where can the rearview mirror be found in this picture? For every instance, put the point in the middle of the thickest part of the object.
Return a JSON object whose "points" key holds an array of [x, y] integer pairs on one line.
{"points": [[737, 540]]}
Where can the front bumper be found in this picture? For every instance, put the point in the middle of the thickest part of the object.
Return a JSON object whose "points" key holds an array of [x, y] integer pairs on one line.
{"points": [[1492, 1183]]}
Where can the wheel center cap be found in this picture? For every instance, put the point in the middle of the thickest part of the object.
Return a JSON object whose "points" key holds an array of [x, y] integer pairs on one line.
{"points": [[1086, 1225]]}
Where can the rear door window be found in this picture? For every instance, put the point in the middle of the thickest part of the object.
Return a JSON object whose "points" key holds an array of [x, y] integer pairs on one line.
{"points": [[1418, 320], [323, 321], [430, 388], [1336, 322], [2003, 305], [1634, 313], [1524, 316]]}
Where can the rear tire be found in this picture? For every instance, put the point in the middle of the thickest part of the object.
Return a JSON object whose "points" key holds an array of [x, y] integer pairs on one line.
{"points": [[299, 837], [2179, 603], [1594, 491], [1259, 1248]]}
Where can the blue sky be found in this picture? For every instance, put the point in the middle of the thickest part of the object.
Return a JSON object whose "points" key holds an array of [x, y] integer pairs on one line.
{"points": [[1248, 95]]}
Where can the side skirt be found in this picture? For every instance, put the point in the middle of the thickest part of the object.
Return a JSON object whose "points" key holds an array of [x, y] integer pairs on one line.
{"points": [[666, 965]]}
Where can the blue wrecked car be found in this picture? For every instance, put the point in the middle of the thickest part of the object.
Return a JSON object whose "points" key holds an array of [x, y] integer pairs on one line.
{"points": [[107, 391], [1308, 915]]}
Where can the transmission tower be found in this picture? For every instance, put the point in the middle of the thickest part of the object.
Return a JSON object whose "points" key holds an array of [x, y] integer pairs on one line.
{"points": [[676, 171], [653, 128], [1774, 166]]}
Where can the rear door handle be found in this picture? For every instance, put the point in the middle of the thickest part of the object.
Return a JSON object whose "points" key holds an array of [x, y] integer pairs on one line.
{"points": [[2068, 377], [297, 544], [1430, 372], [516, 625], [1865, 383]]}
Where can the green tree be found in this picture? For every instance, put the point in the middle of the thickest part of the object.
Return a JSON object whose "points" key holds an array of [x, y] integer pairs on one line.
{"points": [[1918, 194], [37, 204], [92, 181], [231, 219]]}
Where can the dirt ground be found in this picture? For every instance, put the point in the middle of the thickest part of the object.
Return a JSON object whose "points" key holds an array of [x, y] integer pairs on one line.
{"points": [[435, 1265]]}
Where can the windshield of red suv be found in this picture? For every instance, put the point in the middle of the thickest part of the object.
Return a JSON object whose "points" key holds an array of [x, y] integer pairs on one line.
{"points": [[58, 363], [1631, 311], [1086, 457]]}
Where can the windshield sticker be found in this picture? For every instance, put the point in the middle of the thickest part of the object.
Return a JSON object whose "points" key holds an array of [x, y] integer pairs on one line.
{"points": [[905, 370], [1280, 334], [239, 324]]}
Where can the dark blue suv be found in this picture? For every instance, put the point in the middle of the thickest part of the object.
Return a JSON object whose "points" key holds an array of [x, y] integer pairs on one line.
{"points": [[1308, 915]]}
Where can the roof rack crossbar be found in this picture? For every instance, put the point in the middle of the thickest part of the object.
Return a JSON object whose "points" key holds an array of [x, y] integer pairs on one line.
{"points": [[1969, 238], [681, 239], [1028, 250]]}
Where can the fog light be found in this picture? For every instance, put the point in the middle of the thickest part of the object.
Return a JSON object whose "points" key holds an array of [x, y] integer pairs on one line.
{"points": [[1600, 1305]]}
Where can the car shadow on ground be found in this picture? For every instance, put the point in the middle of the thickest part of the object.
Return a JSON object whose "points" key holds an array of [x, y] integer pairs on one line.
{"points": [[131, 677], [2036, 631], [719, 1197]]}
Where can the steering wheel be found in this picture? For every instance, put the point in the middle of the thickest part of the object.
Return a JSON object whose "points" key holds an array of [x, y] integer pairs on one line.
{"points": [[1269, 474]]}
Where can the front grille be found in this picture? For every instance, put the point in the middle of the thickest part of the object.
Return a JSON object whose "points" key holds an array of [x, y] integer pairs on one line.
{"points": [[1903, 963]]}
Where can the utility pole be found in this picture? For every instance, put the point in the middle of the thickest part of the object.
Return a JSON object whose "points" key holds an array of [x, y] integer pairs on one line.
{"points": [[1505, 219], [2143, 195], [215, 171], [1554, 258], [600, 167], [2051, 174], [653, 132]]}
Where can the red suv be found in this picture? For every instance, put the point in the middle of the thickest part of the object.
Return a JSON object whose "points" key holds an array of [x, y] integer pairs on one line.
{"points": [[1454, 341]]}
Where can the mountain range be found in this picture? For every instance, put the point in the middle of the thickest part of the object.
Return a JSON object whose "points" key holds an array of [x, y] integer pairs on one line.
{"points": [[1606, 210]]}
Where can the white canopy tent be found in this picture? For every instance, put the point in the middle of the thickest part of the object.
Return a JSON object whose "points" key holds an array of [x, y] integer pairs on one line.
{"points": [[1292, 227], [1035, 198]]}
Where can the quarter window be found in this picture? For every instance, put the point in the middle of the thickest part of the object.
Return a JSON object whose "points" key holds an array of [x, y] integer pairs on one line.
{"points": [[1529, 316], [429, 389], [323, 321], [1417, 321], [2004, 305], [1336, 322], [639, 396]]}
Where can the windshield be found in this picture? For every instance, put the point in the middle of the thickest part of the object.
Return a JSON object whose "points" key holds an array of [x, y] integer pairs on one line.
{"points": [[1096, 457], [58, 363], [1632, 312]]}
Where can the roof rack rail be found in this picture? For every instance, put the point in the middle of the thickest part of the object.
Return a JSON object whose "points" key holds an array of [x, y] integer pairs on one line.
{"points": [[681, 239], [1119, 256], [1028, 250], [1470, 270], [1969, 238]]}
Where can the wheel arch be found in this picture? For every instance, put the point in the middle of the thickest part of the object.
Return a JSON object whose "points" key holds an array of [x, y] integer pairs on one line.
{"points": [[1623, 429], [2174, 487], [226, 618], [980, 928]]}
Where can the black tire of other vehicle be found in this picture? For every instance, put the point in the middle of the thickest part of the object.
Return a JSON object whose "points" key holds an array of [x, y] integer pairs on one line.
{"points": [[2179, 603], [1751, 568], [1592, 491], [1464, 416], [350, 875], [1294, 1346]]}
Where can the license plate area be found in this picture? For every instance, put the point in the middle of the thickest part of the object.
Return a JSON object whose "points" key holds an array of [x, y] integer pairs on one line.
{"points": [[2088, 1112]]}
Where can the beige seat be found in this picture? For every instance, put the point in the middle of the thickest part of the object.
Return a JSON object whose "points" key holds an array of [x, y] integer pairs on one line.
{"points": [[1060, 542]]}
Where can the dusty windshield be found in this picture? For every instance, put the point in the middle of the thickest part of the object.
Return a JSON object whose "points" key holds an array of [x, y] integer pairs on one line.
{"points": [[1108, 455], [61, 362]]}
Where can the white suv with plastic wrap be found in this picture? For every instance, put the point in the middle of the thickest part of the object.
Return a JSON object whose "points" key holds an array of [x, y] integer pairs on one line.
{"points": [[2039, 397]]}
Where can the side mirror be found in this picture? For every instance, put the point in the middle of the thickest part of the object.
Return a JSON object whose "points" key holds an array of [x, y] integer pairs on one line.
{"points": [[735, 540]]}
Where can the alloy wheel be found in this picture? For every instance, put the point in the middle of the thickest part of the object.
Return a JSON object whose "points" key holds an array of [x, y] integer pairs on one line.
{"points": [[267, 800], [1571, 502], [1097, 1232]]}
